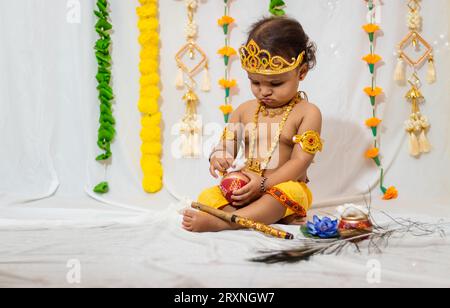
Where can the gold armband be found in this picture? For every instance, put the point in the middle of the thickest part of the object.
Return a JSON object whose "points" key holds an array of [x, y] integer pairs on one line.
{"points": [[228, 135], [310, 142]]}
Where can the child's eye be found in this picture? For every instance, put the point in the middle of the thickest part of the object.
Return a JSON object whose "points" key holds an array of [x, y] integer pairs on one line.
{"points": [[255, 83], [276, 84]]}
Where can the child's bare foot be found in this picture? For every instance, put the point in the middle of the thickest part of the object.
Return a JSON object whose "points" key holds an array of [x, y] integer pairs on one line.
{"points": [[293, 220], [196, 221]]}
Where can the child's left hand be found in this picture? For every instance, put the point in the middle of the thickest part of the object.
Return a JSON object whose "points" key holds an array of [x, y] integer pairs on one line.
{"points": [[249, 192]]}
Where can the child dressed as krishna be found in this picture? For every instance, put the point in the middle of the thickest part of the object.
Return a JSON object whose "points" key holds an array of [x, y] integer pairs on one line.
{"points": [[280, 130]]}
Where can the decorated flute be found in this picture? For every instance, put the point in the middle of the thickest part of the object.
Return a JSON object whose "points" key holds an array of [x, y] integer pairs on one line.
{"points": [[244, 222]]}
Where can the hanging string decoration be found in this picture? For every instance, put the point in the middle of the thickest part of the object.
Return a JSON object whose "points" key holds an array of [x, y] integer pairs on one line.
{"points": [[151, 148], [373, 92], [227, 52], [417, 125], [191, 126], [106, 131]]}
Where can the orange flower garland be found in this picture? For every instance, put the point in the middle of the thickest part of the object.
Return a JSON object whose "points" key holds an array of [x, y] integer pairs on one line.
{"points": [[372, 153], [227, 52], [373, 92], [371, 28], [391, 193], [225, 21], [151, 148]]}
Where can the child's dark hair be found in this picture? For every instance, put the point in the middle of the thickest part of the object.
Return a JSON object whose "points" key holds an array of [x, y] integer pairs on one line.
{"points": [[284, 37]]}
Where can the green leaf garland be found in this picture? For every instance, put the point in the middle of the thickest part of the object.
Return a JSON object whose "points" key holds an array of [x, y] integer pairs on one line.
{"points": [[106, 131], [276, 7]]}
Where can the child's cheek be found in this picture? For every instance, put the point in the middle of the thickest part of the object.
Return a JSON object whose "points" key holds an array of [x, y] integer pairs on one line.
{"points": [[255, 90]]}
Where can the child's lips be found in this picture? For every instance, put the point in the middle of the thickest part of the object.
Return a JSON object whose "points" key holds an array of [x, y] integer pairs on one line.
{"points": [[267, 101]]}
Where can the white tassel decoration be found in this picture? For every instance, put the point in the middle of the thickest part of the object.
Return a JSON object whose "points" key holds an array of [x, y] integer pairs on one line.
{"points": [[431, 75], [190, 152], [424, 143], [414, 148], [400, 72], [206, 84], [179, 82], [184, 147], [196, 138], [196, 145]]}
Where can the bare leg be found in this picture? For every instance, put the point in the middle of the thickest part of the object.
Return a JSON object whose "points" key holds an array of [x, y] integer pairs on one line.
{"points": [[266, 210]]}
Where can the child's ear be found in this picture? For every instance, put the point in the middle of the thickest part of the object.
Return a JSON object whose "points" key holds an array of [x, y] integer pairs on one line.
{"points": [[303, 71]]}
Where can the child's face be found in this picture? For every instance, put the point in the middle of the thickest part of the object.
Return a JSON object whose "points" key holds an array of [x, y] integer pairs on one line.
{"points": [[277, 90]]}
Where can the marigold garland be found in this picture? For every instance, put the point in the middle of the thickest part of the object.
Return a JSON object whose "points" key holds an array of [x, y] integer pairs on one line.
{"points": [[106, 131], [391, 193], [227, 52], [373, 92], [151, 148]]}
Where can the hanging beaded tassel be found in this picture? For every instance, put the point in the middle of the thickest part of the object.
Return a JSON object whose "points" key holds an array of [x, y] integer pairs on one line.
{"points": [[417, 125], [431, 74], [179, 82], [191, 128], [206, 83], [191, 125], [424, 143], [400, 71], [411, 127]]}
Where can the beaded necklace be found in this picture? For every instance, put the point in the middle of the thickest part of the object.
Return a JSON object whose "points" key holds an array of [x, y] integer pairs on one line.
{"points": [[252, 163]]}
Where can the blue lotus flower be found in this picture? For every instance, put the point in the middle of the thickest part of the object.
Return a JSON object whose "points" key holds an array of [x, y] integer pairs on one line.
{"points": [[323, 228]]}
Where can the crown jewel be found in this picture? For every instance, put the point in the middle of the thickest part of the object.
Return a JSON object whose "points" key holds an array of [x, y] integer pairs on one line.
{"points": [[260, 61]]}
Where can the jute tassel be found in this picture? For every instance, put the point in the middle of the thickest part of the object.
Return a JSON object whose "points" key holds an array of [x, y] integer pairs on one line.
{"points": [[196, 143], [188, 140], [431, 75], [424, 143], [185, 147], [414, 148], [179, 82], [400, 71], [206, 84], [190, 153]]}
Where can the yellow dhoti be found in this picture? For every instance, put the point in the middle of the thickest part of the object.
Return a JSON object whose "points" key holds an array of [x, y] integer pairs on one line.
{"points": [[295, 196]]}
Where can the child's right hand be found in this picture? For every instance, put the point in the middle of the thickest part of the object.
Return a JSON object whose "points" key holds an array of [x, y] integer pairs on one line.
{"points": [[220, 161]]}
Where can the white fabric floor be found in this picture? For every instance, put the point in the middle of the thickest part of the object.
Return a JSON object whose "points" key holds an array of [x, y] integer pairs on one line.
{"points": [[122, 248]]}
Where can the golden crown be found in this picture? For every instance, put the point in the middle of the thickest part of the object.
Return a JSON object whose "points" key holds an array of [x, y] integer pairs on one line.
{"points": [[259, 61]]}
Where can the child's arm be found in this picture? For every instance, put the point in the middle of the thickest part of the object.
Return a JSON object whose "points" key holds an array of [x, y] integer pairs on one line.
{"points": [[224, 154], [300, 160]]}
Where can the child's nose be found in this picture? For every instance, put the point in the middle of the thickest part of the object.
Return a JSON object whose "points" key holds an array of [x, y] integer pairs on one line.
{"points": [[266, 91]]}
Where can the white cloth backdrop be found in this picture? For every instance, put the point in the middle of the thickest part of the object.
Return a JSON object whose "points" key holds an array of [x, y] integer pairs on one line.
{"points": [[49, 109], [49, 112]]}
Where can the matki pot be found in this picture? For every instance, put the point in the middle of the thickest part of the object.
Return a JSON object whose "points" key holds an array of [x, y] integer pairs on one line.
{"points": [[231, 182], [354, 223]]}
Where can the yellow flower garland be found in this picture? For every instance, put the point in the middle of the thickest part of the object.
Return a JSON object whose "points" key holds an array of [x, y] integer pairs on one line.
{"points": [[151, 148]]}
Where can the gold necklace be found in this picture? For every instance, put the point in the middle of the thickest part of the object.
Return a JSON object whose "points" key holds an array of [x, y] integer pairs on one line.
{"points": [[252, 163], [273, 112]]}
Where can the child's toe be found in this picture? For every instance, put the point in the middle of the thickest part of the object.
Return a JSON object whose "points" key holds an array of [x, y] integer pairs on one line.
{"points": [[189, 213], [187, 227]]}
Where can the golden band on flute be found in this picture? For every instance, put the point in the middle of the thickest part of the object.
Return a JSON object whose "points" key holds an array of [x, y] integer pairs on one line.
{"points": [[244, 222]]}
